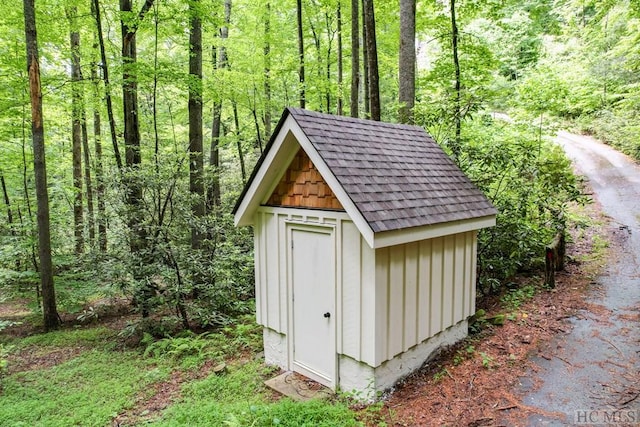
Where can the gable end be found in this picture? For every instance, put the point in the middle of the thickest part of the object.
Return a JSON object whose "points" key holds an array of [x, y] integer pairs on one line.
{"points": [[303, 186]]}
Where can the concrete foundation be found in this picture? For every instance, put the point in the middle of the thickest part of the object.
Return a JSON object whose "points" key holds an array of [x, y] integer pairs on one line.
{"points": [[275, 348], [366, 382], [363, 381]]}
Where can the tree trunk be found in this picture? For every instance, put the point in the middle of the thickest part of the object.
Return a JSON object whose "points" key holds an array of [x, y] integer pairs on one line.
{"points": [[330, 35], [257, 123], [365, 68], [340, 71], [455, 148], [7, 202], [97, 135], [76, 131], [372, 57], [267, 71], [219, 62], [133, 159], [196, 164], [27, 199], [300, 54], [91, 219], [49, 310], [316, 43], [355, 58], [213, 193], [236, 120], [95, 7], [407, 60]]}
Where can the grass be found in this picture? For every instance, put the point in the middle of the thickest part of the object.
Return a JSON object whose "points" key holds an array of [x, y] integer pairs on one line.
{"points": [[86, 390], [240, 398], [100, 380], [85, 337]]}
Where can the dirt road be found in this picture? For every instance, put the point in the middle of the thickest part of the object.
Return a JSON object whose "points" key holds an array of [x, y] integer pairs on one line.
{"points": [[593, 377]]}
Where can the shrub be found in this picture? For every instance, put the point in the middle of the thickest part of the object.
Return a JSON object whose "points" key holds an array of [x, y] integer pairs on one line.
{"points": [[530, 182]]}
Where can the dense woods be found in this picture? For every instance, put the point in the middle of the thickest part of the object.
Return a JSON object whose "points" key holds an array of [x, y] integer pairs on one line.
{"points": [[155, 112]]}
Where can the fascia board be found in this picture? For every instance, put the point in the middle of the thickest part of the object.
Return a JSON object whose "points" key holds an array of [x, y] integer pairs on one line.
{"points": [[270, 171], [408, 235]]}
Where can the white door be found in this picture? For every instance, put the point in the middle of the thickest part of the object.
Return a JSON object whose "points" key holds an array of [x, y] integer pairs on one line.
{"points": [[313, 300]]}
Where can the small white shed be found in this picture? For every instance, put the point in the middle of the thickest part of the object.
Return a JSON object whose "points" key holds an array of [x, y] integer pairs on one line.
{"points": [[365, 248]]}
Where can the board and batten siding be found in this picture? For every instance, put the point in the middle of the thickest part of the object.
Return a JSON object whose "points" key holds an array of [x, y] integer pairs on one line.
{"points": [[430, 286], [387, 300], [397, 297], [270, 242]]}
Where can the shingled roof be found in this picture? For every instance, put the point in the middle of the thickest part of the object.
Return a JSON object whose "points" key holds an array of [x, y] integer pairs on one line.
{"points": [[396, 175]]}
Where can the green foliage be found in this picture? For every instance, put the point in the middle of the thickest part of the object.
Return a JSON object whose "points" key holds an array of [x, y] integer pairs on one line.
{"points": [[4, 362], [487, 361], [515, 297], [530, 182], [438, 376], [191, 350], [194, 350]]}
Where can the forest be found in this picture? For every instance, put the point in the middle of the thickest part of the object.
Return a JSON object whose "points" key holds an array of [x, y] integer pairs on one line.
{"points": [[152, 115]]}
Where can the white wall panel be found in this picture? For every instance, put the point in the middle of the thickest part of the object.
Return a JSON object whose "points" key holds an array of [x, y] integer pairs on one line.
{"points": [[368, 332], [459, 277], [351, 290], [424, 290], [396, 326], [382, 305], [410, 328], [437, 250], [259, 268], [272, 256], [448, 268]]}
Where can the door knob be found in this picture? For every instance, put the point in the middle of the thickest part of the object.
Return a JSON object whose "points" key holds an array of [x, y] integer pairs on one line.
{"points": [[327, 315]]}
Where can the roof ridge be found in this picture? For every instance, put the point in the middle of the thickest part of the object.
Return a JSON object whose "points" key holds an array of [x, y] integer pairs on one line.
{"points": [[297, 111]]}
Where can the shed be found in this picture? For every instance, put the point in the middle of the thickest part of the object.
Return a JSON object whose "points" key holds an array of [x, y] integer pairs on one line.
{"points": [[365, 239]]}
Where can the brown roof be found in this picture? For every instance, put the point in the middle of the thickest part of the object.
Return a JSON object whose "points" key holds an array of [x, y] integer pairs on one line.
{"points": [[396, 175]]}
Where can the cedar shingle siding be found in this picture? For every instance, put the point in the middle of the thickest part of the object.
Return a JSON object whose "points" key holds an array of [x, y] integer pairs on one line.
{"points": [[396, 175], [303, 186]]}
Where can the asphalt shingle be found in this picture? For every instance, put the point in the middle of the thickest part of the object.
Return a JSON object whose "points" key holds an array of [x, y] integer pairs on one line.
{"points": [[396, 175]]}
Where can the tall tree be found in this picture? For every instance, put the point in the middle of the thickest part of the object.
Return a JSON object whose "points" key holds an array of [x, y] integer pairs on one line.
{"points": [[7, 202], [355, 58], [267, 70], [91, 220], [49, 309], [129, 26], [196, 163], [340, 66], [407, 60], [300, 53], [365, 67], [95, 9], [372, 58], [100, 189], [76, 129], [457, 107], [219, 56]]}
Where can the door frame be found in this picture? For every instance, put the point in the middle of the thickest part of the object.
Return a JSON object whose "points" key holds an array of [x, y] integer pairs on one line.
{"points": [[330, 230]]}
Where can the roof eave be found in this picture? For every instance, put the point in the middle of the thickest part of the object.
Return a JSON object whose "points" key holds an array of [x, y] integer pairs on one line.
{"points": [[398, 237], [249, 199]]}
